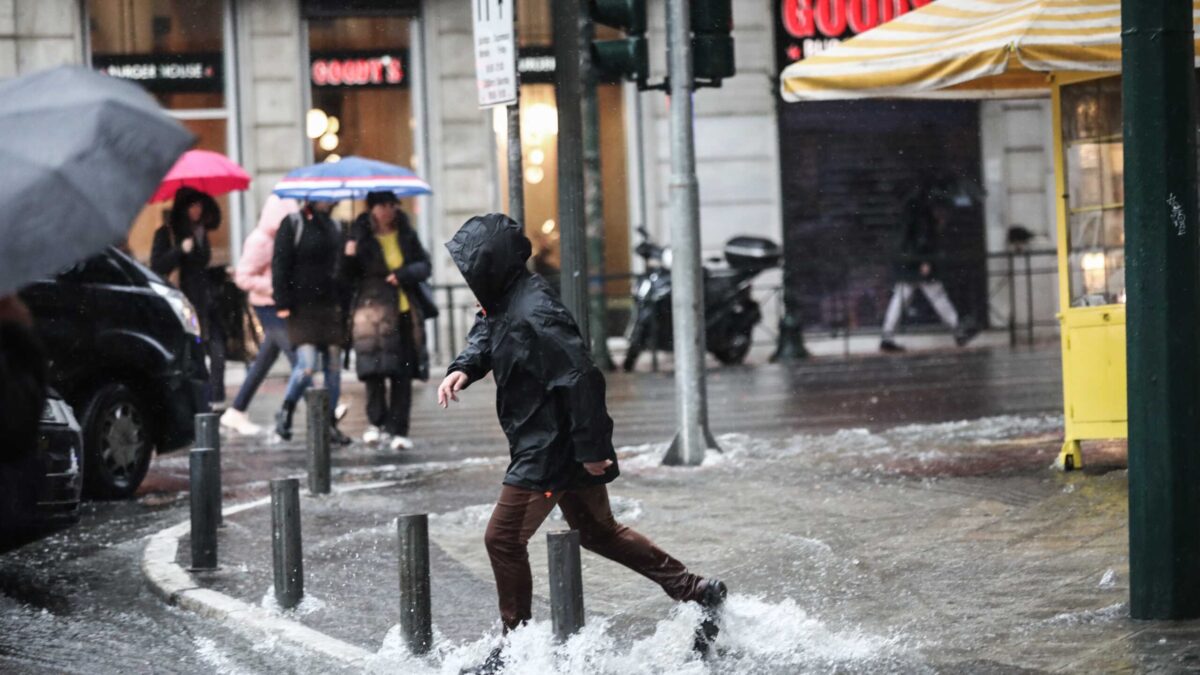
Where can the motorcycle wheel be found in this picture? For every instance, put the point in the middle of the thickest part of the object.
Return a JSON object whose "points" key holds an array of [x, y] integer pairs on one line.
{"points": [[637, 338], [735, 352]]}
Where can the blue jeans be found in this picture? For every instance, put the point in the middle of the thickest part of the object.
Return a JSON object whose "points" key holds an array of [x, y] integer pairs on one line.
{"points": [[274, 342], [306, 364]]}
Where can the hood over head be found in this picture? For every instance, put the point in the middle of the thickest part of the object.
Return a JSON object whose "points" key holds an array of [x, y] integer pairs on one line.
{"points": [[490, 251]]}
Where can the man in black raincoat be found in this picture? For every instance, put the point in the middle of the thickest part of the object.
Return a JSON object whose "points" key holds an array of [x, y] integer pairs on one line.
{"points": [[550, 399]]}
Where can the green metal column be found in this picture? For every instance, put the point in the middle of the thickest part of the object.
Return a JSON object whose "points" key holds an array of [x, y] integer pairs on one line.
{"points": [[1163, 284], [593, 191]]}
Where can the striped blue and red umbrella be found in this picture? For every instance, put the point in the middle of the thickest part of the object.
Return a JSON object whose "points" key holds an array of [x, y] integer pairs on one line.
{"points": [[349, 178]]}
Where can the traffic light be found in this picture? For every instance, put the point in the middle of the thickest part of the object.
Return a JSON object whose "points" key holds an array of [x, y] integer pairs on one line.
{"points": [[712, 40], [625, 57]]}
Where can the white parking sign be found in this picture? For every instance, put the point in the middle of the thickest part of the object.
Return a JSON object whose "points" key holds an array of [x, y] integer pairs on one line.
{"points": [[495, 52]]}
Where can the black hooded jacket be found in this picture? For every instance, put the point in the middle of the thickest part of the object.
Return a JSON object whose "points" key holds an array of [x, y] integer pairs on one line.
{"points": [[549, 393]]}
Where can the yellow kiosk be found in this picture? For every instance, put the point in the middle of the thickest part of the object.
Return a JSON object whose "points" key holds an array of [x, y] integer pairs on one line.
{"points": [[1089, 171], [1012, 48]]}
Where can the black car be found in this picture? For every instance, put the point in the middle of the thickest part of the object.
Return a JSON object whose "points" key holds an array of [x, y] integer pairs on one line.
{"points": [[40, 487], [125, 352]]}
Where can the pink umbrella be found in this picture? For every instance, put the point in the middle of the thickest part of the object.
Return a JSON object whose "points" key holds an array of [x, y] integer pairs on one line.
{"points": [[209, 172]]}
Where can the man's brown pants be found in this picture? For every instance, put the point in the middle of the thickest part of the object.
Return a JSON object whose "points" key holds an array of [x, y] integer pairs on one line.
{"points": [[519, 513]]}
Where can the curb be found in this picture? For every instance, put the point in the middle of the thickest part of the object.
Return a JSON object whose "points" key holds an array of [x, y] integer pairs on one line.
{"points": [[175, 586]]}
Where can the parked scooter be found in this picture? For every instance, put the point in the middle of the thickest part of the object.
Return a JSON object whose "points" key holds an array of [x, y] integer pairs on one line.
{"points": [[730, 312]]}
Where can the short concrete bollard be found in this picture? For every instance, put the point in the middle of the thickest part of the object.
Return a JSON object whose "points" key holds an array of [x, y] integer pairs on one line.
{"points": [[416, 623], [202, 465], [316, 403], [566, 583], [208, 435], [286, 549]]}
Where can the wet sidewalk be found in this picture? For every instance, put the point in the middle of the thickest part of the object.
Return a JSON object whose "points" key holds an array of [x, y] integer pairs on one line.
{"points": [[858, 529]]}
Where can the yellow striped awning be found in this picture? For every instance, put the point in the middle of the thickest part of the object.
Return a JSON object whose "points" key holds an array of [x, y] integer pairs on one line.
{"points": [[967, 49]]}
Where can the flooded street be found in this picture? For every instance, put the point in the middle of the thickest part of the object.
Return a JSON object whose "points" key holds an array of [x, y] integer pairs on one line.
{"points": [[898, 517]]}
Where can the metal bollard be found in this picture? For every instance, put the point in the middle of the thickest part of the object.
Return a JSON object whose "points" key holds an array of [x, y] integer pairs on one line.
{"points": [[416, 624], [202, 465], [208, 435], [316, 402], [287, 553], [566, 583]]}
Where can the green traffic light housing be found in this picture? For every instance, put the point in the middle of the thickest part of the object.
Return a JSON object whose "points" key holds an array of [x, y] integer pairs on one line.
{"points": [[627, 58], [628, 15], [712, 57], [712, 41]]}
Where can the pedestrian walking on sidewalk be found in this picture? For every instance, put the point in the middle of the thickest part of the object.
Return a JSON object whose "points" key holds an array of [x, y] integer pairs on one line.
{"points": [[384, 264], [253, 275], [551, 402], [305, 285], [181, 253], [926, 215]]}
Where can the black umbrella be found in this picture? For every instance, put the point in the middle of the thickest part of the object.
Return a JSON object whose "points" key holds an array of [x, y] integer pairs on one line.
{"points": [[80, 154]]}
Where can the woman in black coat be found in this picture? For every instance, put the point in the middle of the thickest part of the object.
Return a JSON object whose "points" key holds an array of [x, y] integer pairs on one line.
{"points": [[182, 252], [384, 264], [307, 290]]}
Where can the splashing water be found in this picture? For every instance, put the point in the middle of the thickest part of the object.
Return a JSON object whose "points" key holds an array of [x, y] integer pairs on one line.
{"points": [[308, 605], [756, 637]]}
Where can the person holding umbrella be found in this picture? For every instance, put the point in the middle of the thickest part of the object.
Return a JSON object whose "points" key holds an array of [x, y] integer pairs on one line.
{"points": [[112, 144], [305, 285], [384, 263], [181, 252]]}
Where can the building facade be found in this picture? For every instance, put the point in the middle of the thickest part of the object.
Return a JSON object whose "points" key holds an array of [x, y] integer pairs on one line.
{"points": [[277, 84]]}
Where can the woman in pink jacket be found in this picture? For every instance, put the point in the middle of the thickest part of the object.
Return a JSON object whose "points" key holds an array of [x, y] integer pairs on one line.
{"points": [[253, 275]]}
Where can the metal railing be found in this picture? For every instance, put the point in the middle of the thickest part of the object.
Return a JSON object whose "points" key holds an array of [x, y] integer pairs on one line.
{"points": [[1015, 275]]}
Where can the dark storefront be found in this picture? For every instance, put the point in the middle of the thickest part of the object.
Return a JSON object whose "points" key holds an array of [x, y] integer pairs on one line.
{"points": [[848, 169]]}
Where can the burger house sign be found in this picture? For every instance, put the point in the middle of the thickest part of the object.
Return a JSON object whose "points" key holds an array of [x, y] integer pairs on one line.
{"points": [[812, 26]]}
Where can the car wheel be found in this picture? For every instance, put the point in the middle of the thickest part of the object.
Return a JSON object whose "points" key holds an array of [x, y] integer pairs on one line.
{"points": [[116, 442]]}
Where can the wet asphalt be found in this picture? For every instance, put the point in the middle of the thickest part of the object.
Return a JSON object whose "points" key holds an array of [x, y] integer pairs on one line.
{"points": [[76, 601]]}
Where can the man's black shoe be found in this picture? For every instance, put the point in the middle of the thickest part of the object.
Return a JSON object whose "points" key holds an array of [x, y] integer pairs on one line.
{"points": [[492, 665], [712, 597], [712, 593], [890, 347]]}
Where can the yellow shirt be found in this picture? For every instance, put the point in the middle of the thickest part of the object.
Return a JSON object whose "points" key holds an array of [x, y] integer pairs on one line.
{"points": [[390, 243]]}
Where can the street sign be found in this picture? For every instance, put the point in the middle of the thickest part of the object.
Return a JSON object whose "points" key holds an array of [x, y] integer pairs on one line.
{"points": [[495, 52]]}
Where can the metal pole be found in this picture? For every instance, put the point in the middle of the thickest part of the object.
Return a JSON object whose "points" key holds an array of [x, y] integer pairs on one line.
{"points": [[208, 435], [286, 550], [593, 183], [687, 302], [416, 624], [1029, 298], [1163, 328], [316, 403], [1012, 301], [571, 223], [566, 583], [516, 169], [202, 467]]}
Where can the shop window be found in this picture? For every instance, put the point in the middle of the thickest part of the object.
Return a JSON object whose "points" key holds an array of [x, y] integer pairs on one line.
{"points": [[361, 99], [175, 50], [1094, 156], [539, 142]]}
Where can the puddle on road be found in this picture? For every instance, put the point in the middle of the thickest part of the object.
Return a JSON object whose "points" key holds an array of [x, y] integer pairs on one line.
{"points": [[757, 637]]}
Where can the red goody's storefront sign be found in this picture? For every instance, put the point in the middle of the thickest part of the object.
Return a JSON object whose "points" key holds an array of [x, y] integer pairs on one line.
{"points": [[811, 26]]}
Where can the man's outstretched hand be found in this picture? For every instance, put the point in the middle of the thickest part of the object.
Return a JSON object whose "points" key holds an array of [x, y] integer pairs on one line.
{"points": [[449, 388], [597, 468]]}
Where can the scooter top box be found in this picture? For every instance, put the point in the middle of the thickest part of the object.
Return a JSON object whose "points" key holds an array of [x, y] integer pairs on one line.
{"points": [[750, 253]]}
